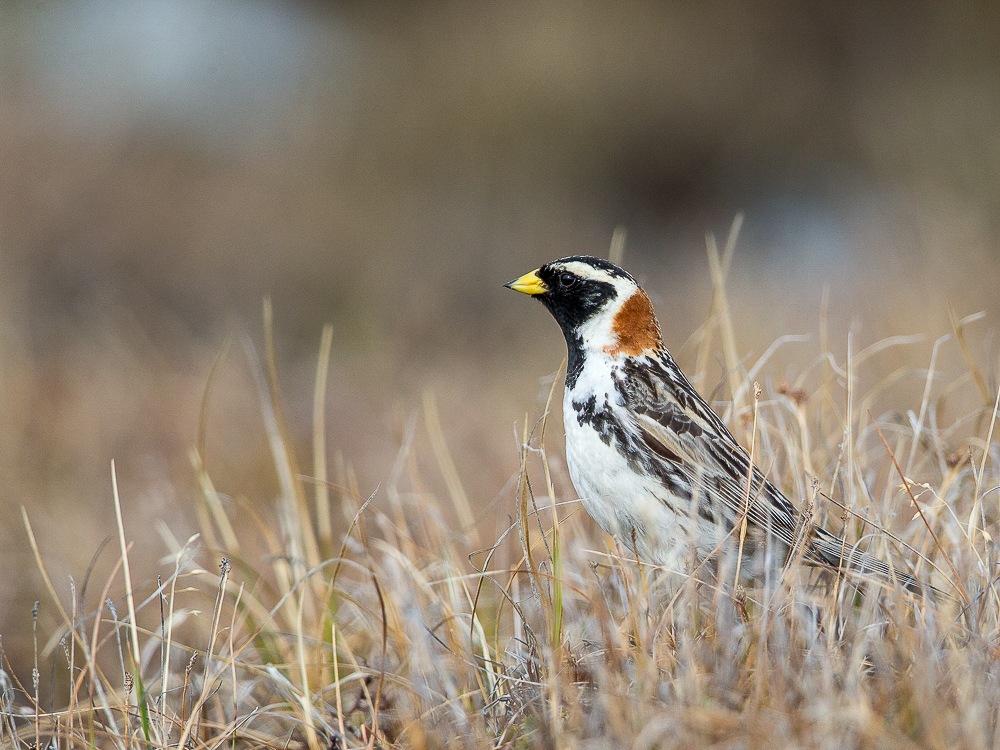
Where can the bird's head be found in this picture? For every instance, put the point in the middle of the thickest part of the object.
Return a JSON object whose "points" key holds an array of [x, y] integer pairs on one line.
{"points": [[597, 305]]}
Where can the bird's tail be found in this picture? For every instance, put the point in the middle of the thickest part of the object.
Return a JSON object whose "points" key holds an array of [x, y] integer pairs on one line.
{"points": [[827, 549]]}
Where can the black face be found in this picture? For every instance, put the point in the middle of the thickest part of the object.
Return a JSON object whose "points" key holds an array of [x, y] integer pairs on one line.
{"points": [[573, 300]]}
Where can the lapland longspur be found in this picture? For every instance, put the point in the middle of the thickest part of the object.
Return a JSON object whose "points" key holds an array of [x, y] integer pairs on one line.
{"points": [[653, 465]]}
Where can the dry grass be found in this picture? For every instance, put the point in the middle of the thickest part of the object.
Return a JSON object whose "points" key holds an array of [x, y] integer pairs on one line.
{"points": [[392, 618]]}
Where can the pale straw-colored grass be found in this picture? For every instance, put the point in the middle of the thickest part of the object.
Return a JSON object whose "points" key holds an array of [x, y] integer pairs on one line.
{"points": [[397, 616]]}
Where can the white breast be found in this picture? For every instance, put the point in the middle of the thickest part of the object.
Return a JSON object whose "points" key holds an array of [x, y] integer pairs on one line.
{"points": [[626, 502]]}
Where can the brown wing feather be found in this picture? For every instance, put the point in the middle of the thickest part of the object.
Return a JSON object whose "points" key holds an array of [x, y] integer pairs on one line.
{"points": [[676, 424]]}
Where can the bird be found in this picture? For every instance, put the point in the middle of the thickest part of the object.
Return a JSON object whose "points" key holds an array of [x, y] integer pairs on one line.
{"points": [[650, 460]]}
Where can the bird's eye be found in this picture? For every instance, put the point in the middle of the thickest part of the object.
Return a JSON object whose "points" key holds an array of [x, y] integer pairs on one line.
{"points": [[566, 280]]}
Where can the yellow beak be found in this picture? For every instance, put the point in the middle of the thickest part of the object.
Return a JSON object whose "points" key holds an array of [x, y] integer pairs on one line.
{"points": [[528, 284]]}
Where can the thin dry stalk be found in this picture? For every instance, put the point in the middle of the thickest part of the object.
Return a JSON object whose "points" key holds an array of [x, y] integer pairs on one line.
{"points": [[198, 457], [956, 581], [126, 569], [324, 527], [452, 480], [749, 488]]}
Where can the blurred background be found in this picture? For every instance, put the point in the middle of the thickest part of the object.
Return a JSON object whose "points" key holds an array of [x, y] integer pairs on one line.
{"points": [[386, 166]]}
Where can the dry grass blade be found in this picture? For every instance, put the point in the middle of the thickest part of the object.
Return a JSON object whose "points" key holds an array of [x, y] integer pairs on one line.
{"points": [[746, 499], [719, 316], [523, 491], [324, 527], [381, 673], [453, 481], [284, 458], [957, 580], [616, 252], [959, 325], [977, 498], [198, 457]]}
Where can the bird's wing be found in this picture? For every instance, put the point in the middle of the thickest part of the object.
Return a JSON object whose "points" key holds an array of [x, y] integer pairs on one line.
{"points": [[676, 425], [720, 471]]}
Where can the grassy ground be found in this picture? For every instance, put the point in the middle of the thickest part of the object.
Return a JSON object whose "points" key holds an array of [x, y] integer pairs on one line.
{"points": [[403, 616]]}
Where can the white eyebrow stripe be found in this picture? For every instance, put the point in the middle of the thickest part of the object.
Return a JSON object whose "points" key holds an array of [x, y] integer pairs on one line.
{"points": [[587, 271]]}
